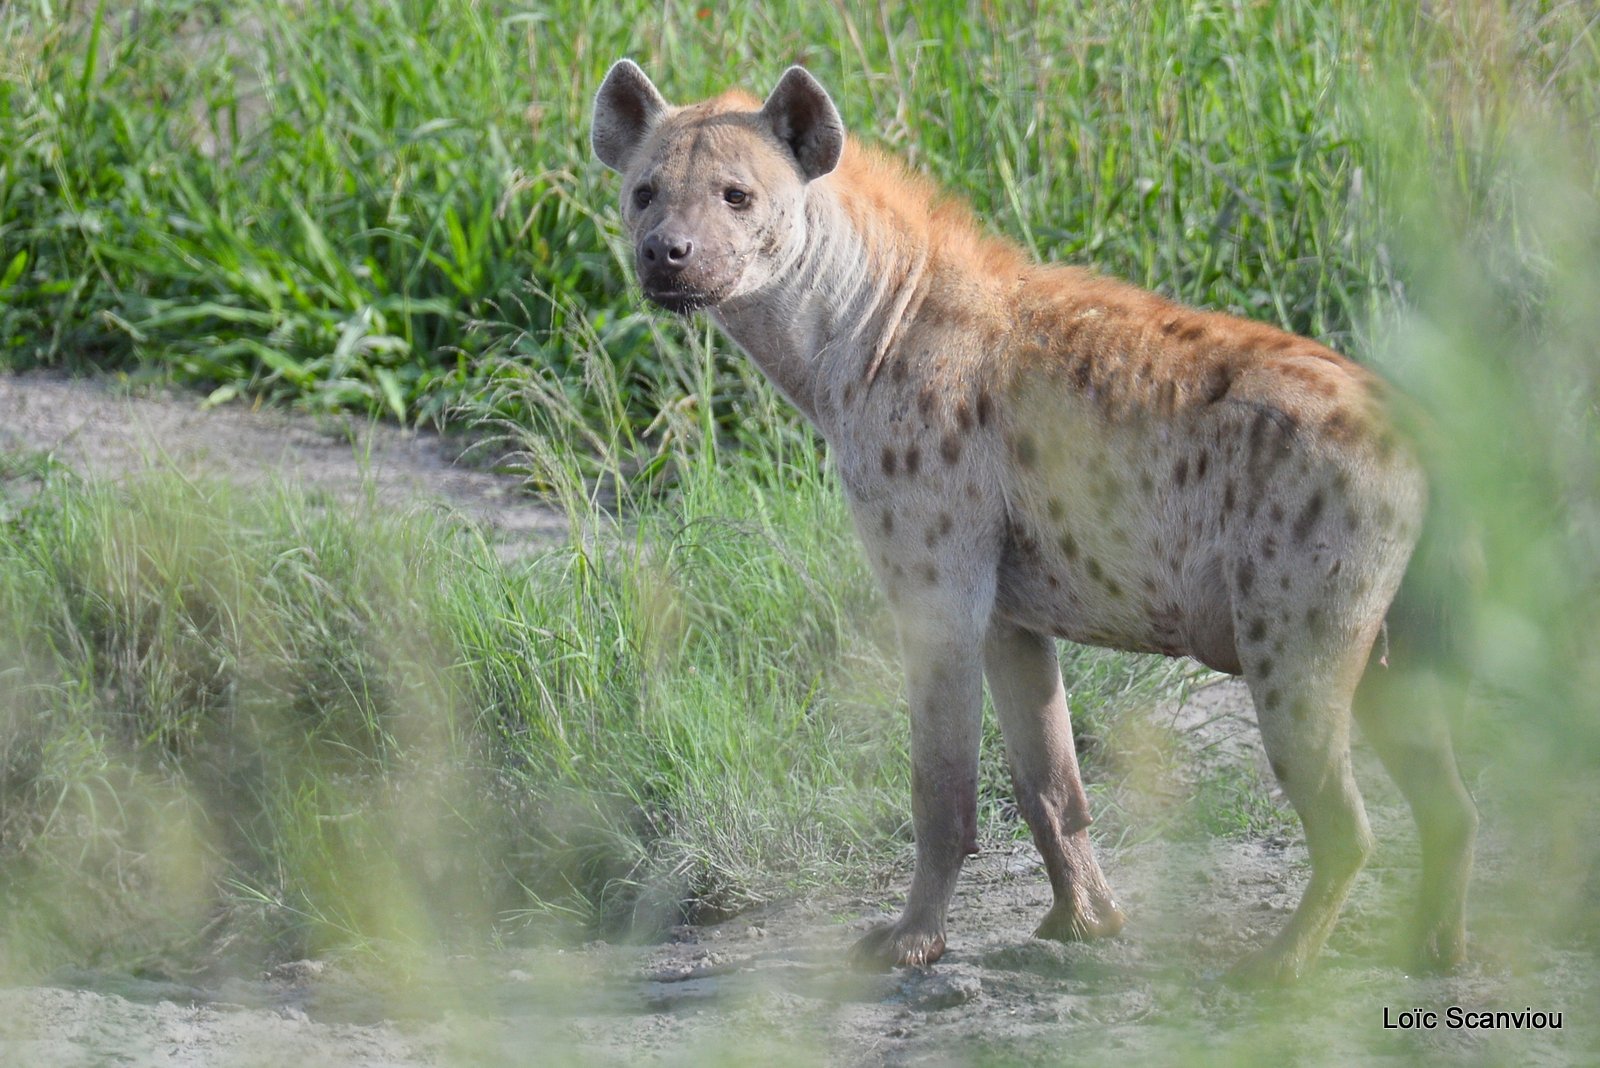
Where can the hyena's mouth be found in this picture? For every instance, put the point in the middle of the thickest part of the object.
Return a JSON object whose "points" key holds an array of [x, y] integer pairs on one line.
{"points": [[678, 301]]}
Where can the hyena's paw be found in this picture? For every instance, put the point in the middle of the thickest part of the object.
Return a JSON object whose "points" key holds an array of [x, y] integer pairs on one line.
{"points": [[898, 943], [1267, 967], [1080, 922], [1442, 950]]}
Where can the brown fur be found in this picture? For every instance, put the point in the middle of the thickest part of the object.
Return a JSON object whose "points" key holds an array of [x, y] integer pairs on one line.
{"points": [[1034, 451]]}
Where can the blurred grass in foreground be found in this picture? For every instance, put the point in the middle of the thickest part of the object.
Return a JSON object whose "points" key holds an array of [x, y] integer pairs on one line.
{"points": [[291, 728], [1493, 165]]}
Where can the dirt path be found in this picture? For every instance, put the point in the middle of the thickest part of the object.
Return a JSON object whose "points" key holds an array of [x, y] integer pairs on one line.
{"points": [[772, 986], [103, 431]]}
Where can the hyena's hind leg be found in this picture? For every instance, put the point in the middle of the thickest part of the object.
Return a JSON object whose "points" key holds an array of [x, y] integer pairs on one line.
{"points": [[1025, 682], [1401, 712], [1305, 727]]}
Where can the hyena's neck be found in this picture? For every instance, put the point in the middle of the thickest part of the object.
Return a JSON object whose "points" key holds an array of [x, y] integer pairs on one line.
{"points": [[840, 305]]}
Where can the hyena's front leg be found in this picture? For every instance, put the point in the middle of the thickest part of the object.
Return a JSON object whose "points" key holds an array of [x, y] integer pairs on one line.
{"points": [[1025, 681], [945, 685]]}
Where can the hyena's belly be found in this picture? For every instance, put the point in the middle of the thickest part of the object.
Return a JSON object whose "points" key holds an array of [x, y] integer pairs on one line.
{"points": [[1120, 548]]}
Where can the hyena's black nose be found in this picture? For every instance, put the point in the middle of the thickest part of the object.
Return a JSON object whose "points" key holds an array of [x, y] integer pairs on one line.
{"points": [[668, 252]]}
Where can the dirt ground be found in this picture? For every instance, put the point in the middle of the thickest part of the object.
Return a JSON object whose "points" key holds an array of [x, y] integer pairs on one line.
{"points": [[101, 428], [772, 985]]}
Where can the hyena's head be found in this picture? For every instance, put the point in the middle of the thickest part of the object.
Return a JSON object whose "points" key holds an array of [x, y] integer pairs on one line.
{"points": [[713, 194]]}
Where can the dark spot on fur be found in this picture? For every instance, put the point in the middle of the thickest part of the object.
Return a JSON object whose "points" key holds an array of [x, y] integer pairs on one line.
{"points": [[897, 571], [1275, 512], [1260, 429], [1283, 581], [1180, 472], [1218, 382], [1201, 464], [930, 574], [1107, 493], [926, 400], [1246, 577], [1053, 581], [1227, 498], [950, 448], [1055, 509], [890, 461], [1098, 573], [1269, 548], [1069, 545], [1264, 669], [849, 392], [972, 490], [1147, 485], [963, 416], [1257, 630], [1267, 430], [1283, 342], [1279, 771], [1027, 452], [1340, 427], [985, 407], [1171, 326], [1386, 444], [913, 459], [1167, 397], [888, 521], [1307, 520], [1193, 333], [1271, 700], [1317, 623], [897, 371]]}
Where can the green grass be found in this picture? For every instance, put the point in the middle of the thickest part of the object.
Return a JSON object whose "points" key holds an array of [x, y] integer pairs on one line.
{"points": [[299, 727], [367, 205], [287, 695]]}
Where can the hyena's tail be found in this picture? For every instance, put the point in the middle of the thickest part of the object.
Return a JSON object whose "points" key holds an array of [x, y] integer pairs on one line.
{"points": [[1428, 626]]}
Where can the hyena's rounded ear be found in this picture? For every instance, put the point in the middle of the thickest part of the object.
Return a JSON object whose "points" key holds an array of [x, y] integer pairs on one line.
{"points": [[626, 109], [802, 114]]}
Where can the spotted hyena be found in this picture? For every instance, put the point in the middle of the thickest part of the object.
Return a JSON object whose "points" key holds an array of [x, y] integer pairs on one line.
{"points": [[1033, 451]]}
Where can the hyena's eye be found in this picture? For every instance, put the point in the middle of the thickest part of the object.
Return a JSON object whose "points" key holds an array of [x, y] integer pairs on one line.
{"points": [[642, 196], [736, 197]]}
